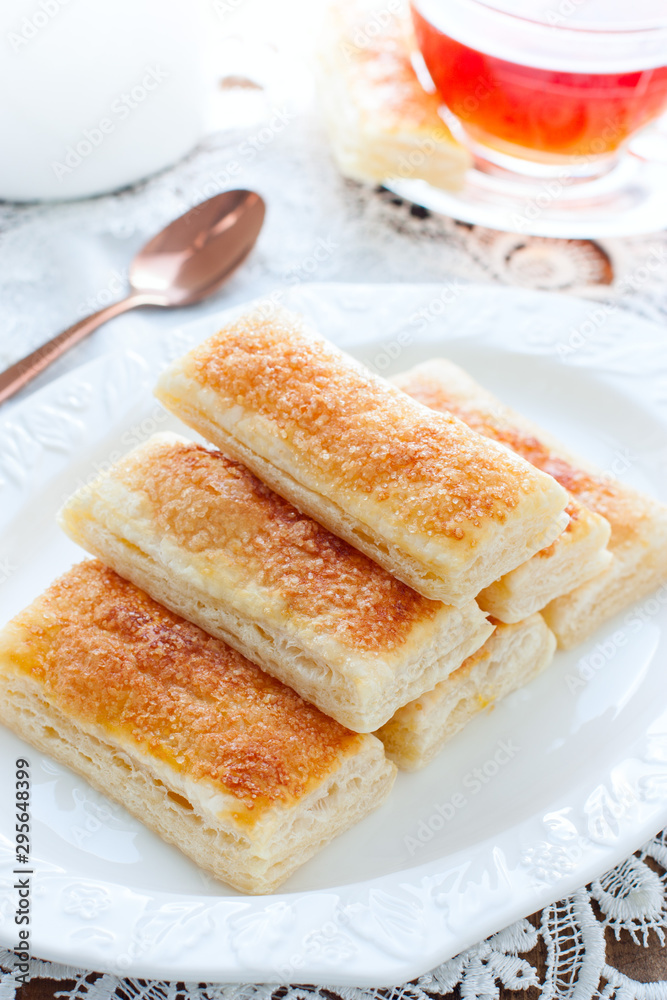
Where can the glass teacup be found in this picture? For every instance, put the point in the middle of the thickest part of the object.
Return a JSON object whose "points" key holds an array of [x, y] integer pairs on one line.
{"points": [[546, 87]]}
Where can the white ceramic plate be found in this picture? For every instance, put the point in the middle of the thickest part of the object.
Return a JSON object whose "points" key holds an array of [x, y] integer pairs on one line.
{"points": [[582, 779]]}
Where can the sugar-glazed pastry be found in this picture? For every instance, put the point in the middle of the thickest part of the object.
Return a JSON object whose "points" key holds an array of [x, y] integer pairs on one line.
{"points": [[202, 535], [201, 745], [638, 541], [441, 507], [580, 551], [381, 121], [510, 658]]}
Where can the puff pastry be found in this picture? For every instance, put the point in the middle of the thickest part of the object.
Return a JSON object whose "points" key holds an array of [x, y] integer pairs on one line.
{"points": [[217, 757], [638, 546], [203, 536], [442, 508], [579, 553], [638, 524], [381, 122], [510, 658]]}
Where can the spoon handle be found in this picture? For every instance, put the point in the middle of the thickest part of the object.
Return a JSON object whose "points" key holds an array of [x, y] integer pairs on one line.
{"points": [[19, 374]]}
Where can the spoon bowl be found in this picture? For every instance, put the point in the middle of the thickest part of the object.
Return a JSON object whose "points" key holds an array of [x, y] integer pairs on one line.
{"points": [[185, 263], [196, 253]]}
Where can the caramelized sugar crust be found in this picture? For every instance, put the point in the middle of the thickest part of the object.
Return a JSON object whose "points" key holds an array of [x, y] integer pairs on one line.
{"points": [[213, 506], [601, 494], [108, 654], [430, 470]]}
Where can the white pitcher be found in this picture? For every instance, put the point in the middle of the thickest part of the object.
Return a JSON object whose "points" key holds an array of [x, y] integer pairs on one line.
{"points": [[96, 94]]}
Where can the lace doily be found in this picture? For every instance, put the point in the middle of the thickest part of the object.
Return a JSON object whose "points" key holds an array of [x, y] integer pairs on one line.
{"points": [[564, 956], [62, 261]]}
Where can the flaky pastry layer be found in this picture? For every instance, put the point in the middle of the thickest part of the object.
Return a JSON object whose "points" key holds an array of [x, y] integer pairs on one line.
{"points": [[204, 537], [156, 712], [442, 508], [510, 658]]}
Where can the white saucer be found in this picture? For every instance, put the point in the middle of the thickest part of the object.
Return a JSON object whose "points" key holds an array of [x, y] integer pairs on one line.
{"points": [[628, 201]]}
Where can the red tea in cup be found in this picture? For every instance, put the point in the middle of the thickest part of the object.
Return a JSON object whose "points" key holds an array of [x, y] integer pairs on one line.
{"points": [[553, 83]]}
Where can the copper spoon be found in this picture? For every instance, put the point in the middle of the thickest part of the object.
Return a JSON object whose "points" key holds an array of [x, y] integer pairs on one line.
{"points": [[183, 264]]}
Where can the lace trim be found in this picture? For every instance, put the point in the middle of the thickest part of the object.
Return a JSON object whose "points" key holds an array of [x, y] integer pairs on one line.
{"points": [[323, 229]]}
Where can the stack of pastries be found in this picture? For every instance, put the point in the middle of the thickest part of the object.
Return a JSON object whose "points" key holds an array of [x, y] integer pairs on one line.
{"points": [[347, 574]]}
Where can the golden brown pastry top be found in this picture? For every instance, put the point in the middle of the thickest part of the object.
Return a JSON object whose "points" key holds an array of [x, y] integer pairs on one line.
{"points": [[618, 503], [358, 435], [212, 505], [109, 655]]}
